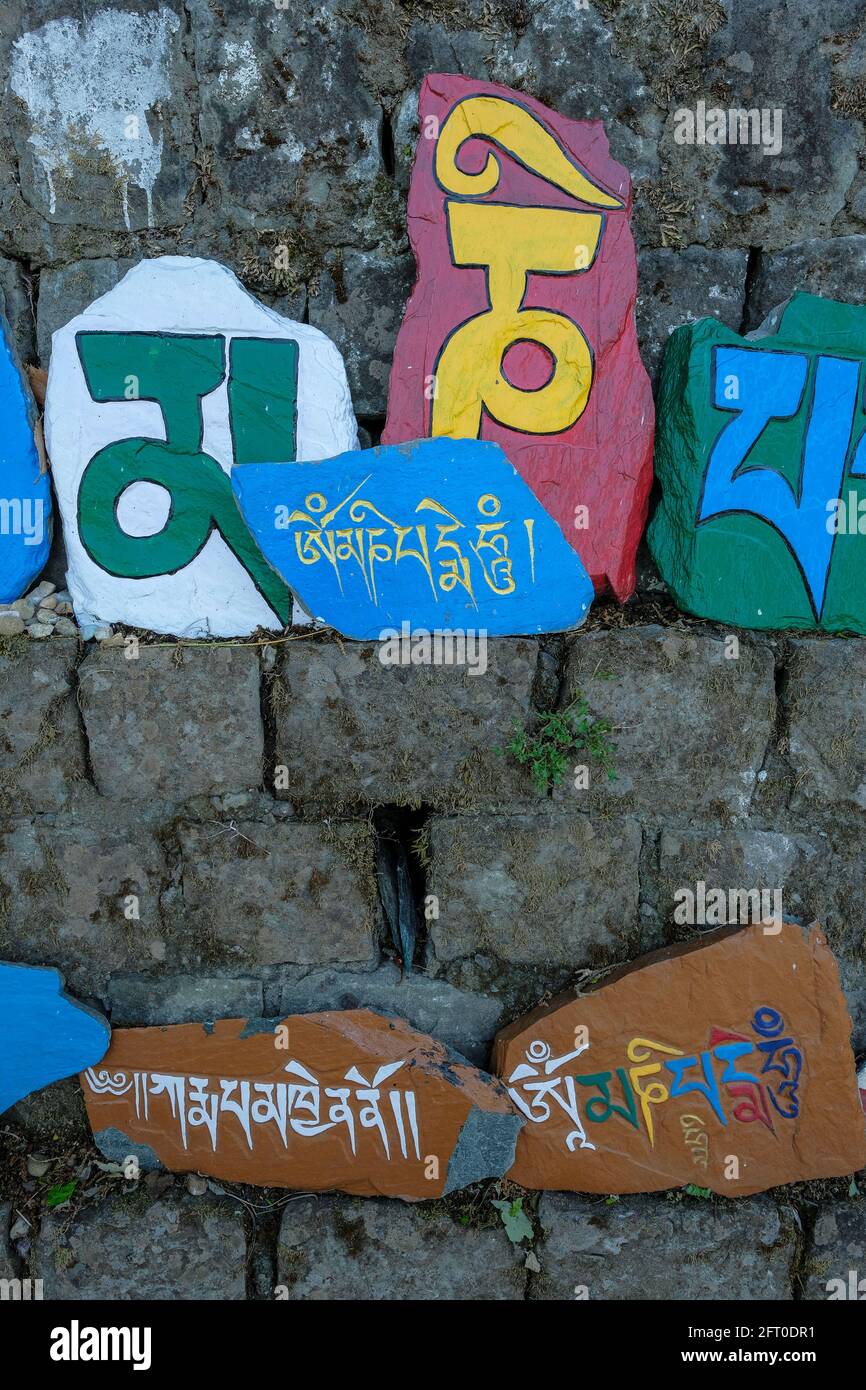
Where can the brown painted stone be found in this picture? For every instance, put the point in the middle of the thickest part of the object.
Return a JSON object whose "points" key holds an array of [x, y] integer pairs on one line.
{"points": [[347, 1100], [736, 1047]]}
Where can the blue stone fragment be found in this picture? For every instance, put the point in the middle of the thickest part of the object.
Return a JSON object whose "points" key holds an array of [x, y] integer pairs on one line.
{"points": [[44, 1035], [25, 491]]}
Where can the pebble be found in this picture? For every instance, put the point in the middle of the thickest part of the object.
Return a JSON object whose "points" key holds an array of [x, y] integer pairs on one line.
{"points": [[102, 633], [64, 608], [10, 625], [115, 639], [38, 1165], [65, 627], [49, 601], [42, 591], [46, 615], [22, 606], [195, 1185], [40, 630]]}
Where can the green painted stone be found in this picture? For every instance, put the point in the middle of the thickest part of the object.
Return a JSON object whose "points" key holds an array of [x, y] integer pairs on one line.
{"points": [[761, 457]]}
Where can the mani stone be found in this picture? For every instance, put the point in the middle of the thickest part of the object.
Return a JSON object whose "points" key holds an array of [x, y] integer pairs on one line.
{"points": [[521, 326], [44, 1035], [761, 457], [351, 1100], [503, 569], [156, 392], [25, 492], [726, 1064]]}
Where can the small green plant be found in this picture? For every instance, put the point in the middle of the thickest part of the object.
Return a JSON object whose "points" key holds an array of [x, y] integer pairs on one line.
{"points": [[693, 1191], [57, 1196], [517, 1224], [557, 738]]}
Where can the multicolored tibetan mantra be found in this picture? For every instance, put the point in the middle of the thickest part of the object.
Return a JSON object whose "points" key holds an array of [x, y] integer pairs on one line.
{"points": [[761, 454], [155, 394], [349, 1100], [44, 1035], [520, 328], [25, 491], [726, 1064], [441, 534]]}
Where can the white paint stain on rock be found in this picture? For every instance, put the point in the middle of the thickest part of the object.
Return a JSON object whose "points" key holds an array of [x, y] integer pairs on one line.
{"points": [[90, 85], [240, 77]]}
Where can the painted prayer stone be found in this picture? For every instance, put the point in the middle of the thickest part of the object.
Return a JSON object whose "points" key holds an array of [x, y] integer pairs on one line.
{"points": [[520, 328], [438, 534], [44, 1035], [348, 1100], [726, 1063], [155, 393], [25, 491], [761, 454]]}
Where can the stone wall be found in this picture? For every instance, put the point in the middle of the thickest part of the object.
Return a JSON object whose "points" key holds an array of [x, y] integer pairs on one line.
{"points": [[194, 833]]}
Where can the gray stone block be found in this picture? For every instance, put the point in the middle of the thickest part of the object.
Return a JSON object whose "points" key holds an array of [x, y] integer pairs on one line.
{"points": [[569, 57], [295, 892], [824, 701], [818, 876], [465, 1022], [173, 724], [344, 1249], [125, 1249], [66, 888], [762, 58], [42, 762], [149, 1001], [67, 290], [552, 888], [690, 726], [676, 287], [360, 304], [291, 127], [835, 268], [835, 1252], [655, 1248], [737, 860], [350, 730]]}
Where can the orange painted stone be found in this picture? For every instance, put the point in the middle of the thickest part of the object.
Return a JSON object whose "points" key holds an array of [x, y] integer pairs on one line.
{"points": [[347, 1100], [726, 1064]]}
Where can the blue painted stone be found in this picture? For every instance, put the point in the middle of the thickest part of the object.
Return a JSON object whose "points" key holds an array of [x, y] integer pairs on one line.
{"points": [[442, 534], [25, 491], [44, 1035]]}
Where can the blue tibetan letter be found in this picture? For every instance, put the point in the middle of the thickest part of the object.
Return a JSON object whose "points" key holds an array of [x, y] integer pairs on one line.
{"points": [[762, 385]]}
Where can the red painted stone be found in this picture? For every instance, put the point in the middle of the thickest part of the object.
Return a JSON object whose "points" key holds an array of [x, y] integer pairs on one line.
{"points": [[521, 328]]}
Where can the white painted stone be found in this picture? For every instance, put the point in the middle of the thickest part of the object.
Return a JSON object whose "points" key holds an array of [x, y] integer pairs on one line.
{"points": [[213, 594]]}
